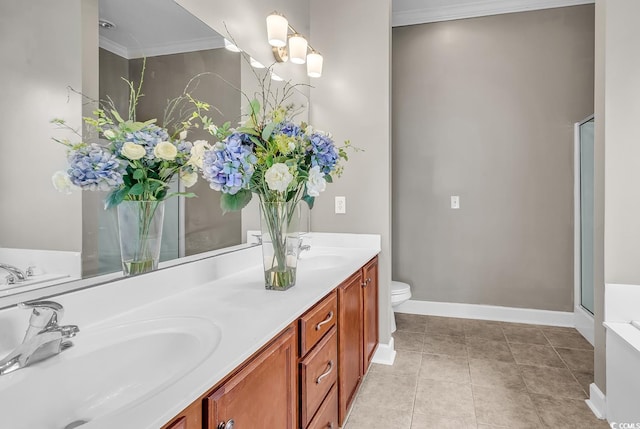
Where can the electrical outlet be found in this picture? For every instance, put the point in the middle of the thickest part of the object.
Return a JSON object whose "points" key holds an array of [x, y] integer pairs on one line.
{"points": [[455, 202], [341, 205]]}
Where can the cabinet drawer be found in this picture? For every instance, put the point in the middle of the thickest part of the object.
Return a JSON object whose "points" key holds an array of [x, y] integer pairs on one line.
{"points": [[327, 416], [181, 423], [318, 373], [317, 322]]}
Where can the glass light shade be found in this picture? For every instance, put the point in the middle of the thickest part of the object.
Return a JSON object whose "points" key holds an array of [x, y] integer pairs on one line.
{"points": [[255, 64], [297, 49], [314, 64], [231, 47], [277, 28], [276, 77]]}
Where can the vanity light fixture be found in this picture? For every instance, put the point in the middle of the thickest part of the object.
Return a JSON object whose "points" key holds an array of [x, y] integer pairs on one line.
{"points": [[255, 64], [298, 50], [231, 47]]}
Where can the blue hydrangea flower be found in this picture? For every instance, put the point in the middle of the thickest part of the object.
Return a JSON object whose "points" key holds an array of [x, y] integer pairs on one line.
{"points": [[323, 152], [289, 128], [148, 137], [228, 166], [95, 168]]}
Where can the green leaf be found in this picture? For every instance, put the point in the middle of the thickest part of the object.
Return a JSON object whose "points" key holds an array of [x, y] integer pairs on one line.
{"points": [[137, 189], [268, 130], [255, 107], [247, 130], [233, 203], [309, 200], [328, 178], [116, 115], [116, 197], [138, 174]]}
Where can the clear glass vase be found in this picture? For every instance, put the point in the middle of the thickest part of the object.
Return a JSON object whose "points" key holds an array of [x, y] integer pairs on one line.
{"points": [[280, 243], [140, 229]]}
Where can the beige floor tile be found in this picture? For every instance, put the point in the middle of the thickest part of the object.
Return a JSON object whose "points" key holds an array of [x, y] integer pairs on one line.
{"points": [[556, 382], [445, 345], [377, 417], [445, 326], [484, 329], [524, 334], [411, 322], [444, 399], [395, 392], [480, 348], [495, 373], [534, 354], [433, 421], [566, 413], [410, 341], [577, 360], [585, 379], [406, 363], [511, 408], [445, 368], [567, 338]]}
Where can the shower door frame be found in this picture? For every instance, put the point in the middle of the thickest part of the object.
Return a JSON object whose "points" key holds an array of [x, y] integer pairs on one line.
{"points": [[583, 319]]}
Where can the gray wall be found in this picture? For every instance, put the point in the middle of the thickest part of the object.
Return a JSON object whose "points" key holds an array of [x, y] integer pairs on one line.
{"points": [[41, 46], [484, 108], [352, 100]]}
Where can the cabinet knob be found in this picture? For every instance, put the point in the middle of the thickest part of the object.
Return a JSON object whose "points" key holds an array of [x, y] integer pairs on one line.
{"points": [[366, 282], [327, 372], [327, 320], [226, 425]]}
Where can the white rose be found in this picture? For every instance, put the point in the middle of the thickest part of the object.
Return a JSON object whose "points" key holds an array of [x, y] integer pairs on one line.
{"points": [[166, 151], [278, 177], [316, 182], [212, 129], [109, 134], [197, 153], [183, 135], [62, 182], [188, 178], [133, 151]]}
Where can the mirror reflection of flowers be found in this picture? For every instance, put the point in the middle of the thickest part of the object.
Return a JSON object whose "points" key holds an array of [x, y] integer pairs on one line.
{"points": [[141, 158]]}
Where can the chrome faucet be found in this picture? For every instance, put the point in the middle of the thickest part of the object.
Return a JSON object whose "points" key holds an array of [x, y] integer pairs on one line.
{"points": [[303, 247], [15, 273], [43, 339]]}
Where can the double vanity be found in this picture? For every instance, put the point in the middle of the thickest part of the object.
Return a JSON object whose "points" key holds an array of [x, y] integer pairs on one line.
{"points": [[204, 345]]}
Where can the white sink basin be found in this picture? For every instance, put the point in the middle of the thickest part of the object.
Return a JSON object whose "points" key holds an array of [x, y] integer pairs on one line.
{"points": [[320, 259], [106, 371]]}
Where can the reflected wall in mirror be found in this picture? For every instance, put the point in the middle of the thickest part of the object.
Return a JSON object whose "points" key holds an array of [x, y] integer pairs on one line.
{"points": [[55, 47]]}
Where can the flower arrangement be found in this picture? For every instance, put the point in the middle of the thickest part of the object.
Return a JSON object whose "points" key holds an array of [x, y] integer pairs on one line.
{"points": [[280, 160], [140, 159]]}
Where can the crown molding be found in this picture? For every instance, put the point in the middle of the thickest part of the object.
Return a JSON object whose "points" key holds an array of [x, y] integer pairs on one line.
{"points": [[163, 49], [472, 9]]}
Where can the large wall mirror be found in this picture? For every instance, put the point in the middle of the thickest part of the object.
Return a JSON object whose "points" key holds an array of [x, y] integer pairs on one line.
{"points": [[55, 47]]}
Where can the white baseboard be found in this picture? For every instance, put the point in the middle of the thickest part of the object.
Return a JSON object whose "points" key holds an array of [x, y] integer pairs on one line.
{"points": [[488, 312], [385, 354], [597, 401], [583, 321]]}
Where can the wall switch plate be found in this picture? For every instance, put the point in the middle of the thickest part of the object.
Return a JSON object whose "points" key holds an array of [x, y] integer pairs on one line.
{"points": [[455, 202], [341, 205]]}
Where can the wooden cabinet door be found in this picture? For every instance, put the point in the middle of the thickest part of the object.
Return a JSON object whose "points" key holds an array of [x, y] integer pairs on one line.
{"points": [[349, 342], [370, 312], [264, 393]]}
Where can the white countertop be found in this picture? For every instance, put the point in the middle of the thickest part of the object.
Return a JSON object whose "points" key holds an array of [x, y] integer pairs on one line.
{"points": [[235, 300]]}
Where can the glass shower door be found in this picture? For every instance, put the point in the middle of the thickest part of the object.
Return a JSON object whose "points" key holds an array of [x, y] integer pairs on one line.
{"points": [[586, 136]]}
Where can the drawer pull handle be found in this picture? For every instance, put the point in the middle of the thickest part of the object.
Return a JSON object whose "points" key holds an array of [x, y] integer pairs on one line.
{"points": [[227, 425], [327, 320], [327, 372], [366, 282]]}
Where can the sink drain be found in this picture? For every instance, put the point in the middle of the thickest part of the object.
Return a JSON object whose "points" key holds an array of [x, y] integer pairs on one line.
{"points": [[76, 424]]}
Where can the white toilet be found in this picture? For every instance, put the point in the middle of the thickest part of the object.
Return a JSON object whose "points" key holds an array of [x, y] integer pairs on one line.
{"points": [[400, 292]]}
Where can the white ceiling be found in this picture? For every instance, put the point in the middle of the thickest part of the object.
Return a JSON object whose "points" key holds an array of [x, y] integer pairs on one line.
{"points": [[159, 27]]}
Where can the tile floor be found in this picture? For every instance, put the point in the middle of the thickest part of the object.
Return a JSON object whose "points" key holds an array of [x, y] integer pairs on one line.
{"points": [[461, 373]]}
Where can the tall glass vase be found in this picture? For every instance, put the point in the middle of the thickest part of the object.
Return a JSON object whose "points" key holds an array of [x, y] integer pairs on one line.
{"points": [[140, 228], [280, 243]]}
